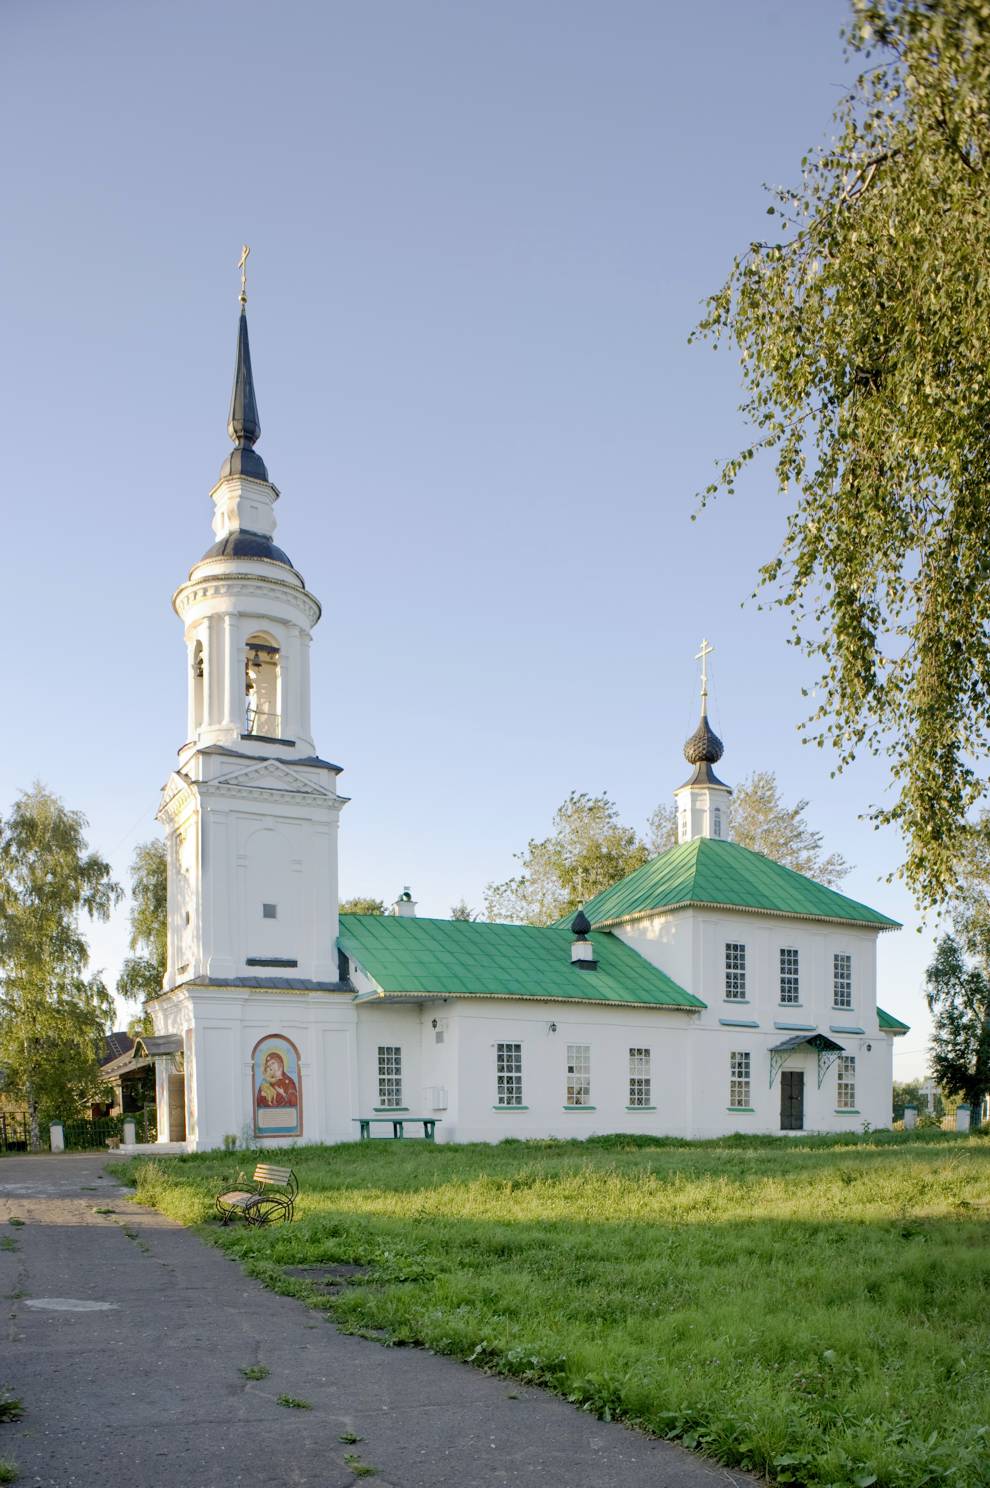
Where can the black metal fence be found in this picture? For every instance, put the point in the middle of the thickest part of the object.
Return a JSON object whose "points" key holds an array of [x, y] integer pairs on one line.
{"points": [[15, 1131], [83, 1133]]}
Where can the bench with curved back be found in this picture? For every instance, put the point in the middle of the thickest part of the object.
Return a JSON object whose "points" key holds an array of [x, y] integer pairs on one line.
{"points": [[272, 1200]]}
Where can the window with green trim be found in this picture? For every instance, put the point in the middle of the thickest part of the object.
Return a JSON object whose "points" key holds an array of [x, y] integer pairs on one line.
{"points": [[842, 980], [578, 1075], [845, 1099], [790, 985], [389, 1075], [508, 1072], [640, 1082], [739, 1078], [735, 971]]}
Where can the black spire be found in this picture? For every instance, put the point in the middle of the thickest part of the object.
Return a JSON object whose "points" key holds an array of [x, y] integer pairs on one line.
{"points": [[243, 424], [704, 745], [580, 925]]}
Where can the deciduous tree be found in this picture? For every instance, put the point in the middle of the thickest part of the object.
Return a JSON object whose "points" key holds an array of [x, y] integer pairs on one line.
{"points": [[761, 822], [362, 906], [863, 326], [143, 972], [53, 1018], [958, 996]]}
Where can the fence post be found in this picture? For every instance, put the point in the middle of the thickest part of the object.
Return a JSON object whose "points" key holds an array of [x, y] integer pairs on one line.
{"points": [[910, 1117], [962, 1118], [130, 1132], [56, 1133]]}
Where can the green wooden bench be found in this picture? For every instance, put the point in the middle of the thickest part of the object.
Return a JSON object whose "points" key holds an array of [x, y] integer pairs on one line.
{"points": [[270, 1201], [398, 1125]]}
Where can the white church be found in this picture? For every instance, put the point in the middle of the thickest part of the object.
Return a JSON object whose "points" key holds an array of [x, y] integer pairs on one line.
{"points": [[712, 991]]}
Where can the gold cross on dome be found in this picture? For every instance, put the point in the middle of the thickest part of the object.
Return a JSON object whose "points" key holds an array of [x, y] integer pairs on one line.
{"points": [[702, 656], [242, 265]]}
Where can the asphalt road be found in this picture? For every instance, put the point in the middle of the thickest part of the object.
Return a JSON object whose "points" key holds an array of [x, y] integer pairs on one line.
{"points": [[124, 1336]]}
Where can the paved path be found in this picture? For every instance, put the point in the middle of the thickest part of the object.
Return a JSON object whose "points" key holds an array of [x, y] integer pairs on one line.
{"points": [[141, 1387]]}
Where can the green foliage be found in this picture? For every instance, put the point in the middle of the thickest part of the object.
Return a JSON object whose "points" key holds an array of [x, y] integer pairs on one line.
{"points": [[291, 1402], [256, 1372], [52, 1018], [358, 1468], [910, 1093], [143, 972], [761, 822], [862, 326], [959, 997], [811, 1309], [588, 850], [362, 906], [9, 1472], [462, 911], [11, 1406]]}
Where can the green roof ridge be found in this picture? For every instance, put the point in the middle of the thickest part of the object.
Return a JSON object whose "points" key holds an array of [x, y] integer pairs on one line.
{"points": [[724, 874], [416, 956]]}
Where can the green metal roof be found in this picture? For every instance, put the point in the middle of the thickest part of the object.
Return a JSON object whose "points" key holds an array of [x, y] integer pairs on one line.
{"points": [[889, 1024], [464, 958], [709, 871]]}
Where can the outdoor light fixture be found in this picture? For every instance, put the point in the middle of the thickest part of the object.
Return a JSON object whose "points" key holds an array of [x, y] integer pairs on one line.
{"points": [[434, 1023], [551, 1028]]}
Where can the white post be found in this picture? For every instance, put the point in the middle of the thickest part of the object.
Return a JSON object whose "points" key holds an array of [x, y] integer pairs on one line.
{"points": [[57, 1134], [962, 1118], [910, 1118], [130, 1133]]}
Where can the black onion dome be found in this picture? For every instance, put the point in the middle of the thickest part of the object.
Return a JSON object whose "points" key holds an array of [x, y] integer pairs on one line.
{"points": [[243, 423], [247, 545], [580, 925], [704, 745]]}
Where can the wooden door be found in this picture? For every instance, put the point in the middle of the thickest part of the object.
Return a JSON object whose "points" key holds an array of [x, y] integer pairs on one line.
{"points": [[792, 1100]]}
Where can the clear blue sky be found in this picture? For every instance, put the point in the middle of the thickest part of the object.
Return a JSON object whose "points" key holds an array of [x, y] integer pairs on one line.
{"points": [[481, 234]]}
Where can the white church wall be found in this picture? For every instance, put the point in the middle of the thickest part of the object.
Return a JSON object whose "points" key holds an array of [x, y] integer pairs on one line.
{"points": [[392, 1026]]}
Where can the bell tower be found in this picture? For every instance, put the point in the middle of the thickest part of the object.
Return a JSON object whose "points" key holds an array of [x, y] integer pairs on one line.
{"points": [[251, 812], [703, 802]]}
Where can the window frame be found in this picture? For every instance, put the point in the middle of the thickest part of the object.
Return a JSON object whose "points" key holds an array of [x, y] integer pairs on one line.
{"points": [[734, 989], [845, 1082], [389, 1075], [790, 980], [578, 1087], [740, 1080], [508, 1073], [843, 980], [640, 1078]]}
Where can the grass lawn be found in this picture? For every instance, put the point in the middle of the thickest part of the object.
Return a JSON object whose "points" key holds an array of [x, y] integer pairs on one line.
{"points": [[817, 1308]]}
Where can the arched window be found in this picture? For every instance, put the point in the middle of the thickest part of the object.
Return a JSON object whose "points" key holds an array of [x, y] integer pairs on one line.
{"points": [[197, 684], [262, 688]]}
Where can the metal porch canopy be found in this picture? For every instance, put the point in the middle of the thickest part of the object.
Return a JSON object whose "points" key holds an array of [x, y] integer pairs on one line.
{"points": [[157, 1044], [826, 1048]]}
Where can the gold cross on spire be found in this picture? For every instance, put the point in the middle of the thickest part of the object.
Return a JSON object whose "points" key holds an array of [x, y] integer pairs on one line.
{"points": [[242, 265], [702, 656]]}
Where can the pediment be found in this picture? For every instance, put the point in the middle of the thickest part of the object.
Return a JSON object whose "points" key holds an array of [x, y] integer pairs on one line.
{"points": [[272, 775], [173, 787]]}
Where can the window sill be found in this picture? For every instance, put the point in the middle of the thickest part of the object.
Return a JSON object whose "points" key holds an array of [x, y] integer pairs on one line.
{"points": [[641, 1108], [388, 1110], [579, 1108], [737, 1001], [510, 1108], [846, 1111], [751, 1109], [837, 1009], [790, 1004]]}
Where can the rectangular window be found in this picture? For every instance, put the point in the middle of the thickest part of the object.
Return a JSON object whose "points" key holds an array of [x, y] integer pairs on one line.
{"points": [[508, 1068], [739, 1087], [735, 970], [846, 1098], [578, 1075], [269, 911], [717, 822], [639, 1077], [842, 980], [389, 1075], [789, 986]]}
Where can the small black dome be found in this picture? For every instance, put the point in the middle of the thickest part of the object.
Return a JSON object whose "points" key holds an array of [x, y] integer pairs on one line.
{"points": [[247, 545], [580, 924], [704, 745]]}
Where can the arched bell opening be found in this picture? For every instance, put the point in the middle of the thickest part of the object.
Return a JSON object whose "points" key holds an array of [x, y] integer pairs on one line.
{"points": [[262, 687], [197, 685]]}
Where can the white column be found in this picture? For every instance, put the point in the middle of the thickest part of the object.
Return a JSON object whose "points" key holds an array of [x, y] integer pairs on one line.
{"points": [[305, 723], [233, 682], [286, 683]]}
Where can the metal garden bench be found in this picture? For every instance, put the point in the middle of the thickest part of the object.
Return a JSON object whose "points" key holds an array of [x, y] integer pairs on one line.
{"points": [[271, 1200]]}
